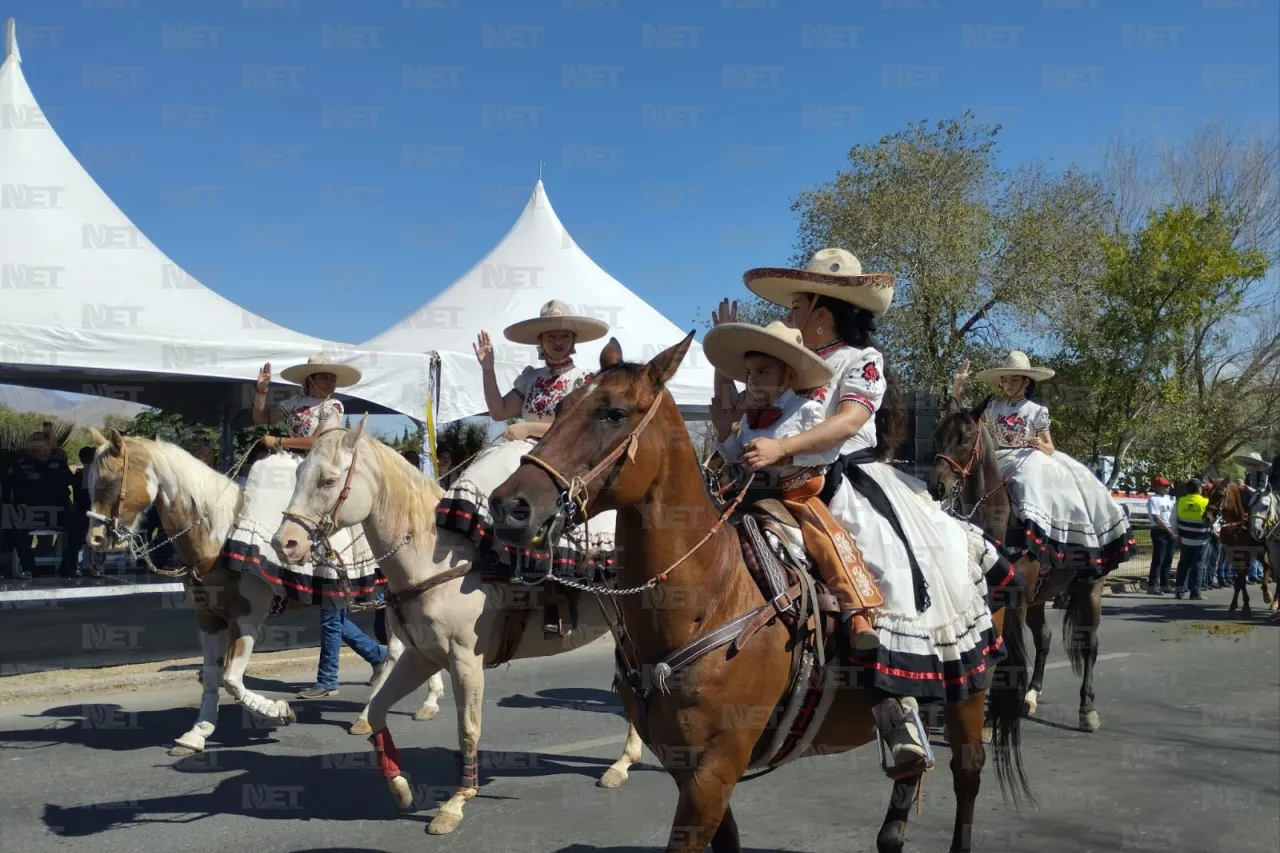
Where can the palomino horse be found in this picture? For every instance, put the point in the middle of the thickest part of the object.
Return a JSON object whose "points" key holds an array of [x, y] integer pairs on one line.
{"points": [[198, 507], [967, 474], [688, 667], [1264, 527], [447, 616], [1238, 540]]}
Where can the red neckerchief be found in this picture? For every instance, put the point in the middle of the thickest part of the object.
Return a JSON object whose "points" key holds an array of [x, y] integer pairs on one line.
{"points": [[763, 418]]}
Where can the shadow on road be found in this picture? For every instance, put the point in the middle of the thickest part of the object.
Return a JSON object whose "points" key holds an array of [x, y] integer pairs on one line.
{"points": [[567, 698], [343, 786]]}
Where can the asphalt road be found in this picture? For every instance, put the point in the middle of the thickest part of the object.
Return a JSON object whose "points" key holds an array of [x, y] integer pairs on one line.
{"points": [[1188, 759]]}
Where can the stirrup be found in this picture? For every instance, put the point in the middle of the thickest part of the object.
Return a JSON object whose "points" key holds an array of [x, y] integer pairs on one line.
{"points": [[891, 770]]}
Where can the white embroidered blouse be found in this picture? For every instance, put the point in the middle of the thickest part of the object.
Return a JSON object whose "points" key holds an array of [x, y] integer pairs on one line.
{"points": [[542, 389], [799, 414], [305, 413], [1015, 423], [859, 379]]}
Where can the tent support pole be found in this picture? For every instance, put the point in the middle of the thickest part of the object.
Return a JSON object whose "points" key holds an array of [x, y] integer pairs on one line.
{"points": [[228, 437]]}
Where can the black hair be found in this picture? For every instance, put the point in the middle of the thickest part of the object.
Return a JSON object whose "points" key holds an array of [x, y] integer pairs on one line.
{"points": [[856, 327]]}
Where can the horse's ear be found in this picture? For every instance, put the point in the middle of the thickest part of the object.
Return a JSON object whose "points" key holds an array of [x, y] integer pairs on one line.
{"points": [[953, 406], [332, 420], [977, 411], [96, 437], [611, 355], [666, 363], [116, 440], [352, 437]]}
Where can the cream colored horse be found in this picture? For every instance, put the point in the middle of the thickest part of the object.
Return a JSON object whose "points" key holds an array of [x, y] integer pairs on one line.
{"points": [[455, 622], [1264, 527], [198, 507]]}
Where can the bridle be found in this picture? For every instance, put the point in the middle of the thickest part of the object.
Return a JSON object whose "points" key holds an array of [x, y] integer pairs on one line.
{"points": [[976, 451], [572, 501], [319, 530], [115, 527]]}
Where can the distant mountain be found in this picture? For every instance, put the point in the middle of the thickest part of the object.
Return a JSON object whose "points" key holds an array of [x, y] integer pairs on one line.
{"points": [[83, 409]]}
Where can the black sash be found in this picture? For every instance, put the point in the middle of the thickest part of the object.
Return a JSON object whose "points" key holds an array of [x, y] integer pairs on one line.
{"points": [[846, 467]]}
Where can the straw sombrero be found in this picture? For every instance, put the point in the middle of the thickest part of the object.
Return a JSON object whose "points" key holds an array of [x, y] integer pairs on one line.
{"points": [[320, 363], [1017, 364], [726, 347], [555, 316], [1251, 460], [830, 272]]}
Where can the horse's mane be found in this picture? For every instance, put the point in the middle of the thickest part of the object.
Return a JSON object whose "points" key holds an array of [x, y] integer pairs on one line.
{"points": [[407, 498], [206, 491]]}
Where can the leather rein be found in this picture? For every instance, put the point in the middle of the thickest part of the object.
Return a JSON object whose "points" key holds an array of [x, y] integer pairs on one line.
{"points": [[963, 471]]}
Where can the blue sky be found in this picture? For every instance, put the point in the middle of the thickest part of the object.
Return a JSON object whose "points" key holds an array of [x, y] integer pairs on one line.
{"points": [[332, 165]]}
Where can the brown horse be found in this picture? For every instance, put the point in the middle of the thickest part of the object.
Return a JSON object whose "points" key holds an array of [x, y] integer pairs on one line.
{"points": [[1227, 503], [688, 669], [967, 475]]}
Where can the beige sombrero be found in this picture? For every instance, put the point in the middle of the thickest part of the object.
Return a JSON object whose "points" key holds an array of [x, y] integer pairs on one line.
{"points": [[726, 347], [1251, 460], [320, 363], [1017, 364], [830, 272], [555, 316]]}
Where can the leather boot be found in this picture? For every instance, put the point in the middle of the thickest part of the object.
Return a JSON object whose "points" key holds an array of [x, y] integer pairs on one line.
{"points": [[902, 737]]}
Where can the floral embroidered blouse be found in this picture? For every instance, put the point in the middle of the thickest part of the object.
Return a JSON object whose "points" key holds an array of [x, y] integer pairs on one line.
{"points": [[542, 389], [305, 413], [859, 379], [1016, 423]]}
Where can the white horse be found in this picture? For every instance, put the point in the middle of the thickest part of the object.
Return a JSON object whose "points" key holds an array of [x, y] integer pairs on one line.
{"points": [[446, 616], [198, 507], [1264, 527]]}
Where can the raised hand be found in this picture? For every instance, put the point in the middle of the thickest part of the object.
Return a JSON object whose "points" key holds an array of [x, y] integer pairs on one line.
{"points": [[726, 313], [484, 350], [264, 378], [961, 374]]}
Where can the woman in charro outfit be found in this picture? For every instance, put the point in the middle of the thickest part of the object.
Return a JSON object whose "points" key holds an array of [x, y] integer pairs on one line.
{"points": [[1066, 517], [534, 397], [936, 637], [267, 491]]}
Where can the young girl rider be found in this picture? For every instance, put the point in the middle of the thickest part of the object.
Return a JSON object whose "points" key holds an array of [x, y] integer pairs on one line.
{"points": [[936, 638]]}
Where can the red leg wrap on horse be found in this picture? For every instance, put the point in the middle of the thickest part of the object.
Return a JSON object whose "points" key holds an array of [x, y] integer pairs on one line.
{"points": [[388, 755], [470, 774]]}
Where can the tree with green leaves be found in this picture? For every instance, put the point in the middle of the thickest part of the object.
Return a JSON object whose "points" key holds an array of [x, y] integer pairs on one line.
{"points": [[1134, 365], [979, 253]]}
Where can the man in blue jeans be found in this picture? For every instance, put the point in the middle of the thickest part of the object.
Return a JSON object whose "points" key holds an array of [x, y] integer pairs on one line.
{"points": [[335, 629], [1194, 535]]}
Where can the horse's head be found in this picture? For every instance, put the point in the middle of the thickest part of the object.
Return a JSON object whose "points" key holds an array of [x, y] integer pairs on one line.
{"points": [[122, 485], [1262, 514], [335, 488], [958, 441], [605, 450]]}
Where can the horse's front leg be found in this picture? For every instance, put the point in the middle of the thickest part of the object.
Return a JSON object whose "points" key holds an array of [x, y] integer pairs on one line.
{"points": [[214, 647], [703, 818], [1086, 598], [1042, 636], [405, 676], [246, 631], [466, 669], [968, 756], [618, 772]]}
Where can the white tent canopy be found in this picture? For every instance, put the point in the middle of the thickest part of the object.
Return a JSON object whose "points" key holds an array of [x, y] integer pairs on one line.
{"points": [[86, 299], [535, 262]]}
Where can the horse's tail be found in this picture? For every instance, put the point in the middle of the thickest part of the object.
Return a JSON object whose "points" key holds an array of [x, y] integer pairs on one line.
{"points": [[1070, 618], [1007, 692]]}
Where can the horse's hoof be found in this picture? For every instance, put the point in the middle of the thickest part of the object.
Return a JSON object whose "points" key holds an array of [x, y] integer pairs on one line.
{"points": [[1089, 722], [1030, 704], [444, 823], [425, 713], [612, 778], [1231, 609], [401, 791], [1266, 596], [986, 734], [180, 751], [289, 716], [360, 727]]}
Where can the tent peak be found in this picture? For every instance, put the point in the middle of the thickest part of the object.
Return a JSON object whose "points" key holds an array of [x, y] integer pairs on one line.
{"points": [[11, 41]]}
